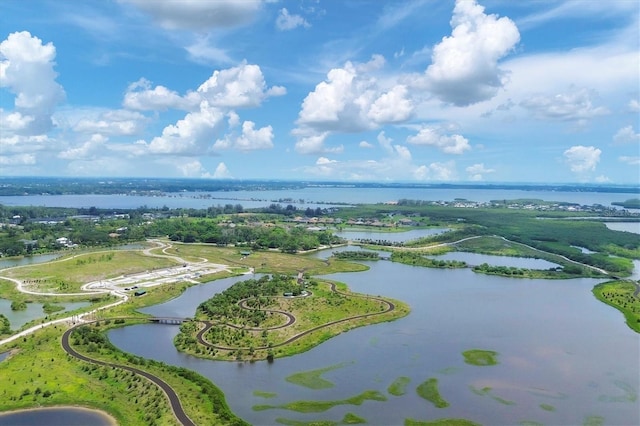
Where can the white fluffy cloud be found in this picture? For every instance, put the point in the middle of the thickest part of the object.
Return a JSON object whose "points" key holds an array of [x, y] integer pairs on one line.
{"points": [[287, 21], [436, 171], [140, 96], [250, 139], [237, 87], [351, 99], [464, 67], [454, 144], [476, 171], [574, 105], [88, 149], [191, 135], [626, 135], [632, 161], [222, 172], [582, 159], [113, 122], [27, 70], [197, 14]]}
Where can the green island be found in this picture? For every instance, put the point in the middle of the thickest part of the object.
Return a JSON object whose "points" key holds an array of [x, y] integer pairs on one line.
{"points": [[480, 357], [312, 379], [429, 391], [624, 296], [284, 312]]}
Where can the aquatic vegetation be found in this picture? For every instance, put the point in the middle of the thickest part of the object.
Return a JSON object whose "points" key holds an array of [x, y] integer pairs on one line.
{"points": [[319, 406], [479, 357], [429, 391], [311, 379], [399, 386], [486, 391], [547, 407], [263, 394], [440, 422]]}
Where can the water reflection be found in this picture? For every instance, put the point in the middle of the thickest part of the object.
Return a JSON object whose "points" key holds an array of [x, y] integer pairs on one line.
{"points": [[543, 330], [33, 312]]}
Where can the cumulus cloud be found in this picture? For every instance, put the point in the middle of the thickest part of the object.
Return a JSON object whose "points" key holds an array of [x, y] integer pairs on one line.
{"points": [[634, 105], [351, 99], [17, 160], [626, 135], [199, 15], [191, 135], [237, 87], [250, 139], [114, 122], [365, 144], [222, 172], [140, 96], [436, 171], [88, 149], [429, 136], [582, 159], [314, 144], [14, 121], [287, 22], [575, 105], [464, 67], [476, 171], [27, 71]]}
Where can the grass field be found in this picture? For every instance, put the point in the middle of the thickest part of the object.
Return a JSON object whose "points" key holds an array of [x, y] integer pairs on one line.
{"points": [[621, 295]]}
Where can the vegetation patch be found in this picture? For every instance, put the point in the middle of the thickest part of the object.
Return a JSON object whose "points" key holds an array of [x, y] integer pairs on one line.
{"points": [[593, 421], [263, 394], [625, 297], [630, 394], [419, 259], [547, 407], [356, 255], [320, 406], [311, 379], [480, 357], [429, 391], [486, 391], [399, 386]]}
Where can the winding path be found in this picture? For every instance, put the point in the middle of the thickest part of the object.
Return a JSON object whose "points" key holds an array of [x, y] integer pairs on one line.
{"points": [[208, 324], [174, 400]]}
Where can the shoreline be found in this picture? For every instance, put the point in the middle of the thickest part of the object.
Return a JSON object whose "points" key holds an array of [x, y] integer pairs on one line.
{"points": [[111, 421]]}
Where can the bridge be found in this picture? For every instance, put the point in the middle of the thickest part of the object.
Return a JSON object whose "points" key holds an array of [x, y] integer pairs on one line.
{"points": [[169, 320]]}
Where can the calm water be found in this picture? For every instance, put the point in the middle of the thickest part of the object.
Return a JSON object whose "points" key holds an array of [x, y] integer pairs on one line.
{"points": [[396, 237], [633, 227], [34, 311], [311, 196], [27, 260], [554, 338], [56, 417], [478, 259]]}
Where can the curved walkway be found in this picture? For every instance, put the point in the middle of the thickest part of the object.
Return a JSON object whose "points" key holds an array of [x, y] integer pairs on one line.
{"points": [[208, 324], [174, 400]]}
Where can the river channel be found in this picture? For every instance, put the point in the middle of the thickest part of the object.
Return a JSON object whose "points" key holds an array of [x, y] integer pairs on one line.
{"points": [[564, 357]]}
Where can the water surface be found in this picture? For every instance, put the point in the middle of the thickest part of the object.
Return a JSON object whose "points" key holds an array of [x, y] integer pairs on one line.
{"points": [[553, 337]]}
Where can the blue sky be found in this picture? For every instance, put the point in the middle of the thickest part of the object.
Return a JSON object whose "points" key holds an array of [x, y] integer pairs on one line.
{"points": [[355, 90]]}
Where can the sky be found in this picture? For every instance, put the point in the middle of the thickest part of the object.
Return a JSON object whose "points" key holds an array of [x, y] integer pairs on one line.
{"points": [[433, 91]]}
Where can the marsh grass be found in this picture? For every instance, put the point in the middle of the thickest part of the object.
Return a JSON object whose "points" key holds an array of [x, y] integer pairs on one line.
{"points": [[304, 406], [311, 379], [399, 386]]}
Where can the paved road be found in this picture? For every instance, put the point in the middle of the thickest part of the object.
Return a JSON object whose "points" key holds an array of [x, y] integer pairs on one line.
{"points": [[209, 324], [174, 401]]}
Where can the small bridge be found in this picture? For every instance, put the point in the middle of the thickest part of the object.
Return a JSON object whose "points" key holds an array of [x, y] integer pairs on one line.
{"points": [[169, 320]]}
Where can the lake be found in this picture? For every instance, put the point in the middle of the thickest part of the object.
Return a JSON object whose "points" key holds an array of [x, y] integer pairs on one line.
{"points": [[57, 416], [555, 343], [33, 312]]}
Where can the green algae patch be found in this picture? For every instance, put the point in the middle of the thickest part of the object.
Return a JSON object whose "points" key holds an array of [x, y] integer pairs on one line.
{"points": [[429, 391], [486, 391], [593, 421], [263, 394], [547, 407], [630, 394], [399, 386], [320, 406], [440, 422], [352, 419], [480, 357], [311, 379]]}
